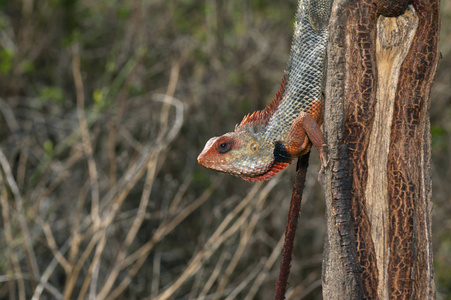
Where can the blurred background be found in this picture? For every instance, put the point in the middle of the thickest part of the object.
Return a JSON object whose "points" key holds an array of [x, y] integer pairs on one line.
{"points": [[105, 106]]}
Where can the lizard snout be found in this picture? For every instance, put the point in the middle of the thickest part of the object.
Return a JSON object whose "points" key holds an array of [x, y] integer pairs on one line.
{"points": [[201, 159]]}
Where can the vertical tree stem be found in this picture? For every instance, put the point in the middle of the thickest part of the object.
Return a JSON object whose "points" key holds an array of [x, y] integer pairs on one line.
{"points": [[292, 222]]}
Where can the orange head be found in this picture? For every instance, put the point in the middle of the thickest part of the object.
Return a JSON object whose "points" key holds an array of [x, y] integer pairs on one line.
{"points": [[238, 153]]}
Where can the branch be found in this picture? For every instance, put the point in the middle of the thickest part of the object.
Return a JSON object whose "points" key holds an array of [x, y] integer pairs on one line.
{"points": [[292, 222]]}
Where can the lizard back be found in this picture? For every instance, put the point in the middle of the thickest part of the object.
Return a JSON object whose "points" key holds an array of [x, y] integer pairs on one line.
{"points": [[266, 141], [305, 68]]}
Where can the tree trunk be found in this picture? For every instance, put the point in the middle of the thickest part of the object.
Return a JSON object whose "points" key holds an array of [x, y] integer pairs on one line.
{"points": [[382, 60]]}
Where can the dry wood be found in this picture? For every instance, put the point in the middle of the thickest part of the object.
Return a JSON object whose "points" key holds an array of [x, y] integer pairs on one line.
{"points": [[382, 59]]}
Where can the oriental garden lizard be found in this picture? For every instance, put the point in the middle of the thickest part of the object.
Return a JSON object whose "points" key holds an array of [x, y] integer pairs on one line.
{"points": [[267, 141]]}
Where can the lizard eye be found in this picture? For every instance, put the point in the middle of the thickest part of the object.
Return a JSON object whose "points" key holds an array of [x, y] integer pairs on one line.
{"points": [[224, 147], [254, 146]]}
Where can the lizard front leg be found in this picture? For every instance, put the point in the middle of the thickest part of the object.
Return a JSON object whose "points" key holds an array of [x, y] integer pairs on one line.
{"points": [[304, 132]]}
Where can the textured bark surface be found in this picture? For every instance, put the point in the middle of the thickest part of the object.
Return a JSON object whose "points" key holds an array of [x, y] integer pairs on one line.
{"points": [[394, 39], [382, 58]]}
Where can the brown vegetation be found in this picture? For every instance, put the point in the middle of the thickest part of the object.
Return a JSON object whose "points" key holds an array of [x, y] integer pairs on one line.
{"points": [[104, 107]]}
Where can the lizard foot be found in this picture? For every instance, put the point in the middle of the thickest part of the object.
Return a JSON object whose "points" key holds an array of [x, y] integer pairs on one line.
{"points": [[324, 161]]}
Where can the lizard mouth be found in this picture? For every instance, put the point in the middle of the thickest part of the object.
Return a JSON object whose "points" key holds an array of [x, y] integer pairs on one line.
{"points": [[204, 161]]}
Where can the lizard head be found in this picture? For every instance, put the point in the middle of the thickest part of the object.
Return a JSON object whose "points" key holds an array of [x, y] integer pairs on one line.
{"points": [[238, 153], [245, 153]]}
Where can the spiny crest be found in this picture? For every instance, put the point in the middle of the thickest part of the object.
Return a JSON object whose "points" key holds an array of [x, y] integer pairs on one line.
{"points": [[261, 117]]}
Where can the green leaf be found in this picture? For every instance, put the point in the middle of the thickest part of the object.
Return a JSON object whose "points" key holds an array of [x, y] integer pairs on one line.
{"points": [[6, 60], [51, 93], [26, 66], [48, 148], [99, 99]]}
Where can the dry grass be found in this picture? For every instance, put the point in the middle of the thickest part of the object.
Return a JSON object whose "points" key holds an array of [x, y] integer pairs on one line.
{"points": [[104, 107]]}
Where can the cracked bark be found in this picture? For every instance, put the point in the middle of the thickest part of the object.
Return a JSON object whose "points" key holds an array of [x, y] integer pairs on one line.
{"points": [[382, 58]]}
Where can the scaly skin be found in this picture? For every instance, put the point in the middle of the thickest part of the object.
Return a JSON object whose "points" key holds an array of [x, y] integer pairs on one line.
{"points": [[267, 141]]}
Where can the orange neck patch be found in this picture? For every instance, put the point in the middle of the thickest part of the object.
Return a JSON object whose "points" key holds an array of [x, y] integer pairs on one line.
{"points": [[275, 168]]}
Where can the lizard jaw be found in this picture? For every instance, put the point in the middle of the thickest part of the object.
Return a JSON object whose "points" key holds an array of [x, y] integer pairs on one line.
{"points": [[275, 168], [282, 159]]}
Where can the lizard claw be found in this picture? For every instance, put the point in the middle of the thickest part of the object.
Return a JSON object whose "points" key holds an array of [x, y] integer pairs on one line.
{"points": [[324, 160]]}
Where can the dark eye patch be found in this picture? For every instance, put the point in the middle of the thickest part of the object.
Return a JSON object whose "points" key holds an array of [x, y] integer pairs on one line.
{"points": [[224, 147]]}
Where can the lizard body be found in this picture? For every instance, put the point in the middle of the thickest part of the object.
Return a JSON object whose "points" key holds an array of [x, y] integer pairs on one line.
{"points": [[266, 141]]}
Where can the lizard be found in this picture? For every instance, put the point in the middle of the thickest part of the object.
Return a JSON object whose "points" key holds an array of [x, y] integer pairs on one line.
{"points": [[266, 141]]}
